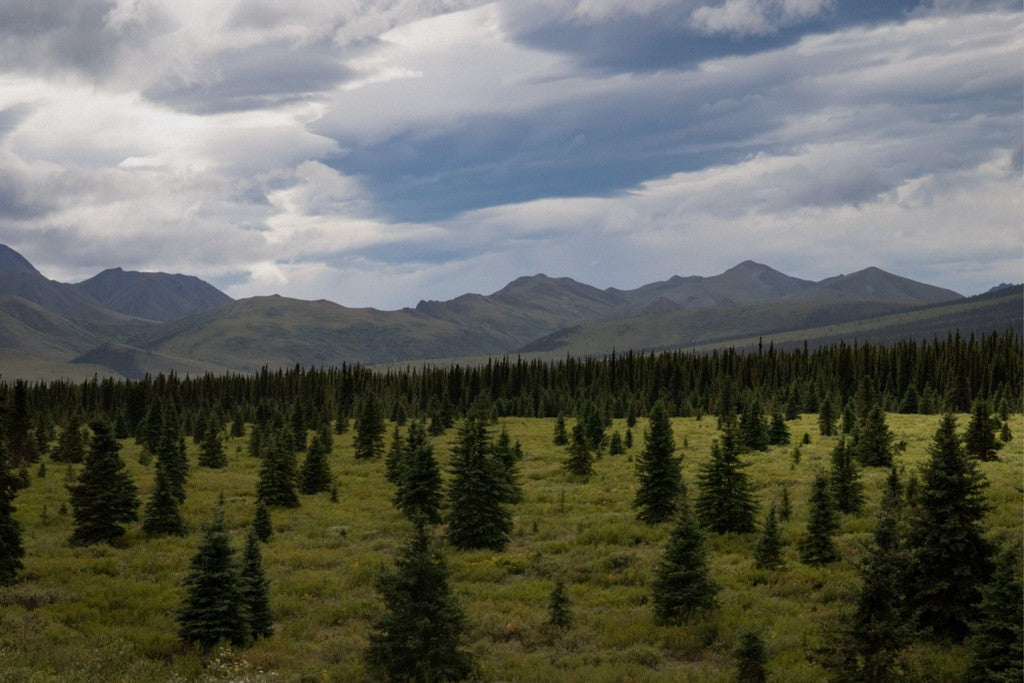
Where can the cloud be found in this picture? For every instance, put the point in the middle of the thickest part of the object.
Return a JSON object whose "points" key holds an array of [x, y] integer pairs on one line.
{"points": [[755, 17]]}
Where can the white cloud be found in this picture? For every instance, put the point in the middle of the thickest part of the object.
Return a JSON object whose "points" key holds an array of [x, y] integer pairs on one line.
{"points": [[755, 17]]}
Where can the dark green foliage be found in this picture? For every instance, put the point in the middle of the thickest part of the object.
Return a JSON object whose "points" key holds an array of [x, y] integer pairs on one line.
{"points": [[615, 446], [254, 589], [369, 430], [806, 439], [997, 637], [11, 548], [419, 486], [768, 553], [683, 585], [276, 485], [872, 442], [980, 438], [71, 444], [211, 450], [416, 637], [817, 546], [261, 522], [477, 516], [778, 432], [559, 614], [1005, 435], [659, 481], [163, 512], [750, 659], [785, 507], [827, 416], [753, 429], [297, 422], [593, 428], [213, 609], [580, 461], [560, 437], [949, 556], [238, 425], [171, 456], [629, 439], [844, 480], [315, 476], [104, 497], [394, 460], [20, 443], [724, 501], [868, 643], [507, 456]]}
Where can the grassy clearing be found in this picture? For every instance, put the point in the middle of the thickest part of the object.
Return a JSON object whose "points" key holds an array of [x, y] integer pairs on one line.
{"points": [[101, 613]]}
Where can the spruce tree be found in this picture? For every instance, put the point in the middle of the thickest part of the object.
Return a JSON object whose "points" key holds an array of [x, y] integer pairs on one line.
{"points": [[163, 514], [211, 450], [559, 614], [768, 553], [949, 555], [750, 659], [997, 639], [561, 437], [683, 583], [580, 461], [817, 546], [753, 429], [171, 456], [71, 444], [827, 416], [20, 444], [778, 432], [660, 483], [615, 446], [416, 637], [872, 442], [315, 476], [369, 430], [724, 501], [844, 480], [869, 642], [11, 548], [393, 461], [507, 456], [593, 428], [980, 438], [785, 507], [261, 522], [276, 484], [477, 515], [104, 497], [213, 608], [419, 487], [254, 589]]}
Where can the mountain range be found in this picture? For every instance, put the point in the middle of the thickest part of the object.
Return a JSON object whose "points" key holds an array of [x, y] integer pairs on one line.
{"points": [[126, 323]]}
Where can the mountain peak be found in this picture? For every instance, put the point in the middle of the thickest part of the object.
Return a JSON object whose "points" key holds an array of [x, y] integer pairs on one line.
{"points": [[11, 262]]}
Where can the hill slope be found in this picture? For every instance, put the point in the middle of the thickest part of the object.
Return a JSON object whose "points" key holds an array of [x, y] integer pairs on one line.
{"points": [[154, 296]]}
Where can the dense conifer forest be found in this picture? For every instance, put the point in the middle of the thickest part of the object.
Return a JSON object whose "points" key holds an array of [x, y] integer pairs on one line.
{"points": [[851, 512]]}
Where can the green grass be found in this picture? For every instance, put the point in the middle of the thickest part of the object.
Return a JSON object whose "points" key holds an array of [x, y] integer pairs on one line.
{"points": [[102, 613]]}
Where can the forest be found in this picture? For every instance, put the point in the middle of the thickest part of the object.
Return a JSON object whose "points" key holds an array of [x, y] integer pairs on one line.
{"points": [[848, 513]]}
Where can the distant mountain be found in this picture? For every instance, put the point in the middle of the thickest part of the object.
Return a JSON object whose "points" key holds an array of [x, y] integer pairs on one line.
{"points": [[129, 323], [154, 296]]}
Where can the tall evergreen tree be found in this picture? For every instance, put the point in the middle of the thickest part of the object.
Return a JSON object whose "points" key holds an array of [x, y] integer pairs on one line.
{"points": [[506, 456], [778, 432], [561, 436], [369, 430], [868, 643], [580, 461], [872, 441], [11, 548], [276, 485], [559, 614], [71, 444], [768, 553], [844, 480], [949, 555], [997, 637], [20, 443], [394, 460], [315, 476], [724, 501], [477, 515], [660, 483], [827, 416], [683, 583], [593, 428], [104, 497], [162, 516], [419, 485], [416, 637], [980, 438], [213, 608], [211, 450], [753, 429], [751, 659], [254, 590], [171, 456], [817, 545], [261, 522]]}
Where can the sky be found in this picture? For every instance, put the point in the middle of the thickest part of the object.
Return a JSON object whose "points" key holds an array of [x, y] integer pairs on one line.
{"points": [[379, 152]]}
